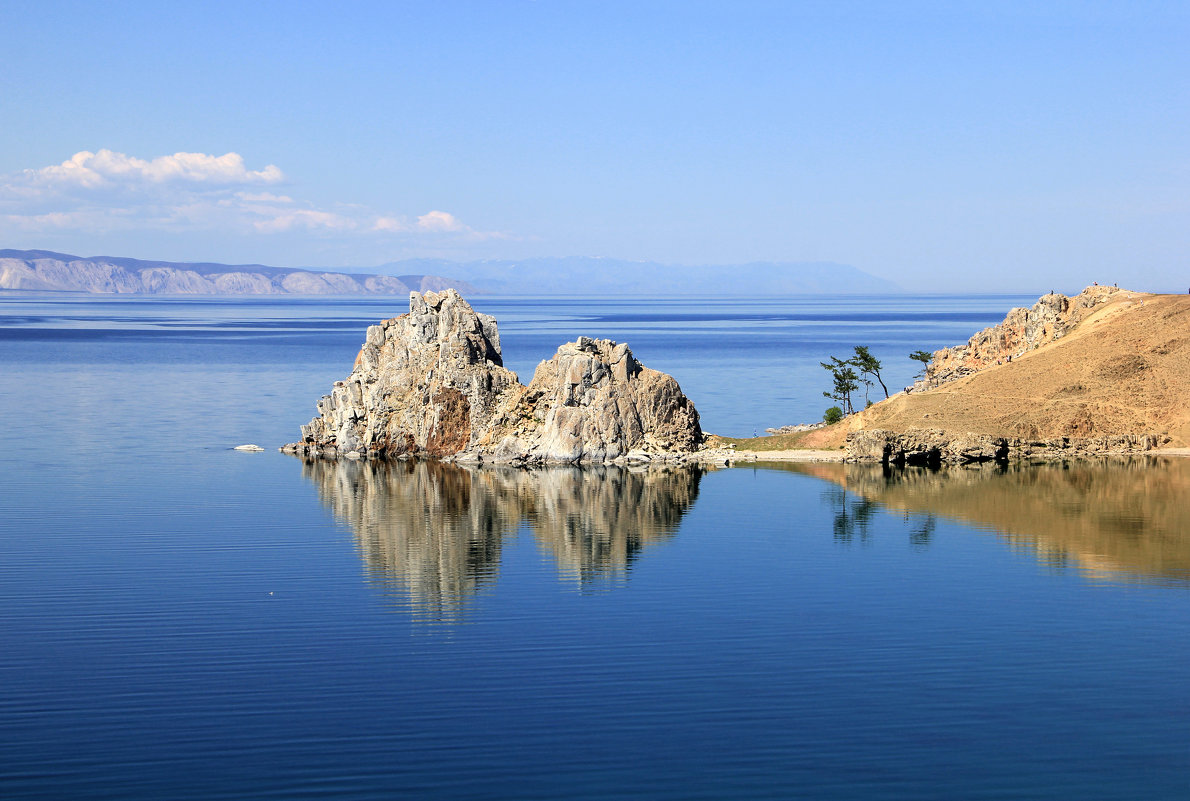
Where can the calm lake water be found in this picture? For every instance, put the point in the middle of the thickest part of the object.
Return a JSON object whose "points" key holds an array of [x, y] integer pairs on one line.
{"points": [[182, 621]]}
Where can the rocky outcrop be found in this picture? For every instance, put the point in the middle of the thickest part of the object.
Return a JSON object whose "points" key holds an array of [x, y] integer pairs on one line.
{"points": [[595, 402], [935, 447], [1023, 330], [44, 271], [432, 383]]}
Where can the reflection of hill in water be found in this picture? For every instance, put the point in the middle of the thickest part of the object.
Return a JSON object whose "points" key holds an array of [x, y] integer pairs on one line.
{"points": [[1127, 519], [437, 529]]}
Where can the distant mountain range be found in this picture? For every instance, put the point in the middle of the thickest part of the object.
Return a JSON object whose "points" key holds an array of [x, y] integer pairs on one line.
{"points": [[579, 275], [43, 270]]}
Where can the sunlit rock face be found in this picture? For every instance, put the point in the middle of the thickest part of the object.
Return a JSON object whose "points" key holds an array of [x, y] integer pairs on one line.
{"points": [[427, 382], [1049, 319], [593, 402], [435, 531], [432, 383]]}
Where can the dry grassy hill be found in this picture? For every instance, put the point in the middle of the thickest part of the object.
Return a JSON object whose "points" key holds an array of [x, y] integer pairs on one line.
{"points": [[1120, 367]]}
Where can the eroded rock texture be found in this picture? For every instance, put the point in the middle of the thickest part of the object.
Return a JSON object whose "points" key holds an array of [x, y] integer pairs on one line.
{"points": [[432, 383], [427, 382], [936, 447], [1023, 330]]}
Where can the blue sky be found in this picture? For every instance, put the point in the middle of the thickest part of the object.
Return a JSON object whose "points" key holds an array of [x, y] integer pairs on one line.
{"points": [[986, 146]]}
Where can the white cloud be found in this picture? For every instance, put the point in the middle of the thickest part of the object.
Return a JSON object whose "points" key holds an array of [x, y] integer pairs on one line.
{"points": [[263, 197], [304, 218], [440, 221], [95, 170], [391, 225], [107, 191]]}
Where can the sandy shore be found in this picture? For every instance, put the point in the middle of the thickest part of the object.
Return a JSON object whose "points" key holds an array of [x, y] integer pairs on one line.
{"points": [[799, 455]]}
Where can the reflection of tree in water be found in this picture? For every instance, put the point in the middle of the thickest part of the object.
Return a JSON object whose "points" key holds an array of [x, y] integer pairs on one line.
{"points": [[436, 530], [921, 534], [853, 515]]}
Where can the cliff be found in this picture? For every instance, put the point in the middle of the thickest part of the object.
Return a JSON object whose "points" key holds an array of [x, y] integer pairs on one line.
{"points": [[1104, 372], [45, 271], [432, 383]]}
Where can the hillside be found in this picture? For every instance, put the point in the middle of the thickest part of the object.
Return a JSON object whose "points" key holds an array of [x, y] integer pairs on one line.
{"points": [[1102, 369], [46, 271]]}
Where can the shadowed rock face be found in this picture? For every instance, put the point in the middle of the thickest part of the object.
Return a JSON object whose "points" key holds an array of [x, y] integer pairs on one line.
{"points": [[1126, 519], [436, 530], [934, 447], [432, 383]]}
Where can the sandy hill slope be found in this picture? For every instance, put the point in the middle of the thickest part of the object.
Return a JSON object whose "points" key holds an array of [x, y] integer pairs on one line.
{"points": [[1104, 363]]}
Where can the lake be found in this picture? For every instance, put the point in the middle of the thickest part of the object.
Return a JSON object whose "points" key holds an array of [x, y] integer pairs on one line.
{"points": [[180, 620]]}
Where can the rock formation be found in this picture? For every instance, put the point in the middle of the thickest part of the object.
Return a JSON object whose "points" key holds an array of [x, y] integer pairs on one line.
{"points": [[934, 447], [1023, 330], [432, 383]]}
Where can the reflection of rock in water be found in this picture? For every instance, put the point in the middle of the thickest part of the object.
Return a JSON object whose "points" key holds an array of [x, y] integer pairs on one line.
{"points": [[595, 521], [1113, 519], [437, 529]]}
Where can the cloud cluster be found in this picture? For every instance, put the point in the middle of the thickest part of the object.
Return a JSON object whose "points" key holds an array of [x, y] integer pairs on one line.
{"points": [[430, 222], [95, 170], [107, 191]]}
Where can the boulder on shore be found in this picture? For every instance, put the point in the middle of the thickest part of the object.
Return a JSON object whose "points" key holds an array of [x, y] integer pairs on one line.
{"points": [[432, 383]]}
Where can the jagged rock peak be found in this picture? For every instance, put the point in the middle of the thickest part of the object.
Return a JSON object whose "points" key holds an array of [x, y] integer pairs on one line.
{"points": [[427, 382], [593, 401], [432, 382]]}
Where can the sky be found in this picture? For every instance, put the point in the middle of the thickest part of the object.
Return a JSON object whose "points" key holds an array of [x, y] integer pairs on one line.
{"points": [[990, 146]]}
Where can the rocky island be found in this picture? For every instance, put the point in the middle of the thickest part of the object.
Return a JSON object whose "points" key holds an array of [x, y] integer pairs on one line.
{"points": [[433, 383]]}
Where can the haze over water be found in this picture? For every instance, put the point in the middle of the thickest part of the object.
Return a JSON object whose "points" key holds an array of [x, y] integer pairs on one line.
{"points": [[178, 620]]}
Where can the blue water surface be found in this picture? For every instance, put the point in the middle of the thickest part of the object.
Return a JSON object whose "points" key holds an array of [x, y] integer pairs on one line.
{"points": [[179, 620]]}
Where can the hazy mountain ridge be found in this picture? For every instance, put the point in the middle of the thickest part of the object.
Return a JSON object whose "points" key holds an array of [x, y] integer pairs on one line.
{"points": [[44, 270], [577, 274], [47, 271]]}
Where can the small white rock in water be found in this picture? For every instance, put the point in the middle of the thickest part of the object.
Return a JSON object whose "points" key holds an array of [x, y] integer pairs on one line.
{"points": [[253, 448]]}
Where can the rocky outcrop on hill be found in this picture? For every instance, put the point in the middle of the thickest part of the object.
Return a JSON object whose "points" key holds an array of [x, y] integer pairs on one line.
{"points": [[1023, 330], [432, 383], [44, 271], [935, 447]]}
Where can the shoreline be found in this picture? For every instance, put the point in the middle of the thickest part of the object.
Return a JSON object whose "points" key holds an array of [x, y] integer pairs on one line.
{"points": [[815, 455]]}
